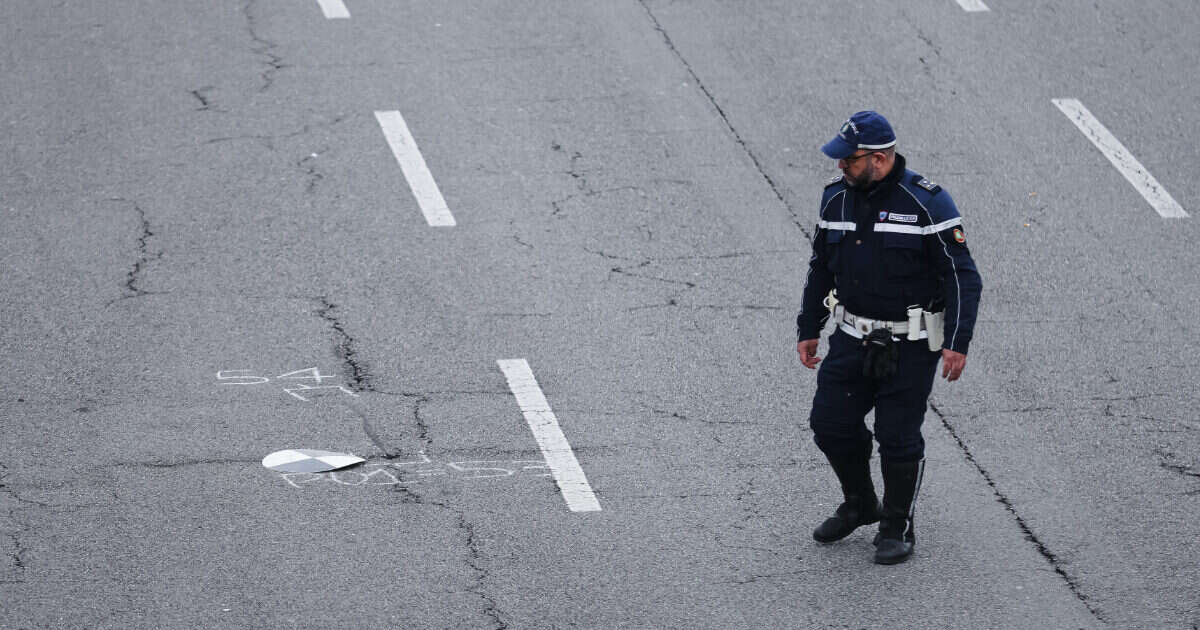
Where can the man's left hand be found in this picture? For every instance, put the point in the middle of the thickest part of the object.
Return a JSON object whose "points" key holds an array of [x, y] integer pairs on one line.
{"points": [[952, 364]]}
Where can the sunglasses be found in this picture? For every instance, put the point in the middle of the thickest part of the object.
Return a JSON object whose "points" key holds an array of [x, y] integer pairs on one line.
{"points": [[854, 158]]}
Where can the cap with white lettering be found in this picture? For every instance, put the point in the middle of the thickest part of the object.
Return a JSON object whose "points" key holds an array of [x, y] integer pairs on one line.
{"points": [[864, 130]]}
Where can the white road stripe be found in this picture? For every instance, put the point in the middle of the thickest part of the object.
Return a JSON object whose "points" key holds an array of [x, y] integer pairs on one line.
{"points": [[973, 5], [334, 9], [420, 180], [559, 457], [1142, 180]]}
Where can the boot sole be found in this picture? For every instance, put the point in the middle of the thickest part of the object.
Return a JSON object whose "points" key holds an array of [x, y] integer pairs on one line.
{"points": [[843, 536], [826, 541], [891, 561]]}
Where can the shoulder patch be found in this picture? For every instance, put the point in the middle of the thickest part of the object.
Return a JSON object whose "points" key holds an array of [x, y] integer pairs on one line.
{"points": [[926, 184], [836, 179]]}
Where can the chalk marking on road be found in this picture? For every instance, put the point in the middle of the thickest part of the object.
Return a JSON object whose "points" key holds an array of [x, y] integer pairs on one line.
{"points": [[231, 377], [334, 9], [973, 5], [559, 457], [420, 180], [394, 473], [1129, 166]]}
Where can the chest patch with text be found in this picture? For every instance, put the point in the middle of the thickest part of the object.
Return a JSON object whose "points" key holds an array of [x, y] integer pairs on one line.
{"points": [[902, 218]]}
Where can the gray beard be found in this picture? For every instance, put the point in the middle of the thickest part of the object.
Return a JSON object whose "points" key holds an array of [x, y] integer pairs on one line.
{"points": [[866, 181]]}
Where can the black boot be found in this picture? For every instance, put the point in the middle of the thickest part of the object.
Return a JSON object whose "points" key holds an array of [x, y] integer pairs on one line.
{"points": [[861, 506], [901, 483]]}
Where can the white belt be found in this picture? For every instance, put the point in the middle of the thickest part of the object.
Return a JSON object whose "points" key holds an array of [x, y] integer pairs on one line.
{"points": [[859, 327]]}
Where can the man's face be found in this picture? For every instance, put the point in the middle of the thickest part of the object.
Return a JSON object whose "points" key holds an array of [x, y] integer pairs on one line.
{"points": [[860, 169]]}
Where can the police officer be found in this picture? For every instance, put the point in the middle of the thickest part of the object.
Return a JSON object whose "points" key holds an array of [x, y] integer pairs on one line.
{"points": [[890, 265]]}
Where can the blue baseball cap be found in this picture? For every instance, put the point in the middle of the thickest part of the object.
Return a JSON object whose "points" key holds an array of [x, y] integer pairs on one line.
{"points": [[864, 130]]}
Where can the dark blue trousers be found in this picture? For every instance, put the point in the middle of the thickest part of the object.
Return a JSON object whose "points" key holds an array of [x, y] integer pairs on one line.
{"points": [[844, 396]]}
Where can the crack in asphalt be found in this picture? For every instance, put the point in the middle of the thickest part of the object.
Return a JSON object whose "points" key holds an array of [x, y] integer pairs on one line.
{"points": [[517, 238], [1050, 556], [620, 270], [1170, 312], [734, 255], [932, 59], [687, 495], [181, 463], [309, 166], [201, 94], [369, 429], [268, 140], [361, 381], [263, 47], [675, 415], [440, 392], [643, 262], [144, 257], [420, 399], [17, 555], [1167, 461], [520, 315], [422, 426], [672, 303], [607, 255], [481, 573], [727, 255], [926, 66], [582, 184], [741, 307], [19, 551], [474, 552], [725, 118], [345, 349], [7, 489]]}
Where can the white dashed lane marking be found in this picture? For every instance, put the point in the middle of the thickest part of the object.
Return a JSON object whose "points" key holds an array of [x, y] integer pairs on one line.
{"points": [[1142, 180], [334, 9], [559, 457], [420, 180], [973, 5]]}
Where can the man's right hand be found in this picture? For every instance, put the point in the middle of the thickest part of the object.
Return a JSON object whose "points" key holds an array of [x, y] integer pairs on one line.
{"points": [[808, 353]]}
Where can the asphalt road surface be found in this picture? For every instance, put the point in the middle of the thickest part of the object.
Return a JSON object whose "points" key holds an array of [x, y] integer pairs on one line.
{"points": [[210, 252]]}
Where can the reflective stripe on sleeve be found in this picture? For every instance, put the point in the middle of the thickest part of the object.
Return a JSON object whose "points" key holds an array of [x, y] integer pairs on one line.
{"points": [[847, 226], [914, 229]]}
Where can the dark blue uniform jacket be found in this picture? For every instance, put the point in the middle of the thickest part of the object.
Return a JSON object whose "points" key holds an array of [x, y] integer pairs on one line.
{"points": [[900, 244]]}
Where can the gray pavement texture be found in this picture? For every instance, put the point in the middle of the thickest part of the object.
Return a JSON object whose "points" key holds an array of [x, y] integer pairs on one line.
{"points": [[190, 188]]}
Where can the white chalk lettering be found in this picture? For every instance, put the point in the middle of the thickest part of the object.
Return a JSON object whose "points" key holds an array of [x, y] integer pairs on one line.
{"points": [[248, 377], [228, 375], [402, 473]]}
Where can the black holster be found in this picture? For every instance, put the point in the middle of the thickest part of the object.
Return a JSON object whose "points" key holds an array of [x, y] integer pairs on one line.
{"points": [[883, 355]]}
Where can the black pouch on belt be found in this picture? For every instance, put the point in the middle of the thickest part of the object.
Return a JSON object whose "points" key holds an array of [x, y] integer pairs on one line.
{"points": [[883, 355]]}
